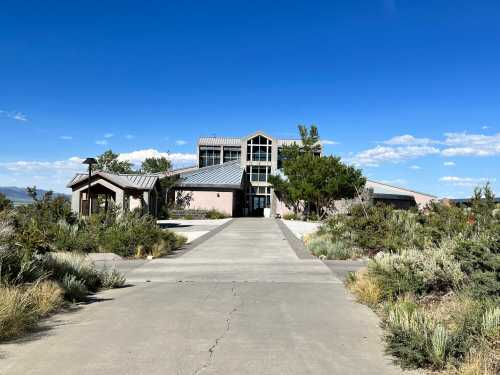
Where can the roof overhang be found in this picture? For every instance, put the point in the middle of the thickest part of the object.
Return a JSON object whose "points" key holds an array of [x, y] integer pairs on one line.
{"points": [[402, 197], [211, 186]]}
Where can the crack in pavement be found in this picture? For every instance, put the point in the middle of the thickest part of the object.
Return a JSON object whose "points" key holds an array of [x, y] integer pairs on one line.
{"points": [[213, 347]]}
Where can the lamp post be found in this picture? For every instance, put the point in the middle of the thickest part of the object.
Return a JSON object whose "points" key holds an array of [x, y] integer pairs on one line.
{"points": [[90, 162]]}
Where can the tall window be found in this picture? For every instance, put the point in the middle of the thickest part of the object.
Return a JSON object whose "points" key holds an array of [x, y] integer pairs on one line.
{"points": [[209, 155], [258, 173], [232, 153], [259, 149]]}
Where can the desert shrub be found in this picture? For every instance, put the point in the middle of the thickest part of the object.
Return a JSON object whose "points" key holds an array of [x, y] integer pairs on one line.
{"points": [[416, 271], [445, 221], [63, 265], [480, 260], [74, 289], [112, 279], [76, 237], [479, 361], [22, 306], [291, 216], [214, 214], [490, 322], [47, 296], [323, 245], [5, 203], [377, 228], [18, 312], [415, 340], [127, 233], [364, 288]]}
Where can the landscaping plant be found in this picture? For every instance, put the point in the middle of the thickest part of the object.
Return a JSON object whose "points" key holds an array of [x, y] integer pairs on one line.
{"points": [[435, 284]]}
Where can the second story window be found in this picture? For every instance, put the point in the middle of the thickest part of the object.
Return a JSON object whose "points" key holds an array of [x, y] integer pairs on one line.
{"points": [[209, 155], [259, 148], [258, 173], [231, 153]]}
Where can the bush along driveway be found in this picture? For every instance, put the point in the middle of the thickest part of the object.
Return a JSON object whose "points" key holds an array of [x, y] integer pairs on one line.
{"points": [[433, 277]]}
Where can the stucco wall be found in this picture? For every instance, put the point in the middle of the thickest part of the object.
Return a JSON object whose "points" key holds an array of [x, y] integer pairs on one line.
{"points": [[207, 200], [281, 208]]}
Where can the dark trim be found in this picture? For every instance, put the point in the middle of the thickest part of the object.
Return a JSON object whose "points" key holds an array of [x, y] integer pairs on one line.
{"points": [[192, 245], [210, 186], [296, 244], [394, 196], [97, 177]]}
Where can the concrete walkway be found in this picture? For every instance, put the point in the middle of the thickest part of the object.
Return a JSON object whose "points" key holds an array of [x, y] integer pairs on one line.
{"points": [[241, 302]]}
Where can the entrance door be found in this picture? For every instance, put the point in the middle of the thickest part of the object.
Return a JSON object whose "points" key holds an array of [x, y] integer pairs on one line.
{"points": [[258, 204]]}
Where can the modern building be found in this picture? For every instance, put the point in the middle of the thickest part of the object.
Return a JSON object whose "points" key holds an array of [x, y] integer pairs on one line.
{"points": [[231, 177], [234, 172]]}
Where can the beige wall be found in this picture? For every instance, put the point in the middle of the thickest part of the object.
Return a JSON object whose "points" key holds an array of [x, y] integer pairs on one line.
{"points": [[207, 200], [281, 208]]}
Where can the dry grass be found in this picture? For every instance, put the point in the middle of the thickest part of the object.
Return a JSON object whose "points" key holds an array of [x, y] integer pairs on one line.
{"points": [[48, 296], [365, 289], [17, 312], [21, 307], [485, 361]]}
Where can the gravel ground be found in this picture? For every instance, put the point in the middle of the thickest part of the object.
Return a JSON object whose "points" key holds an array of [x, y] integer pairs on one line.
{"points": [[301, 228]]}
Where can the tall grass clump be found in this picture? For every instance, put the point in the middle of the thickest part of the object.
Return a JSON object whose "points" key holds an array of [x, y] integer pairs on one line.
{"points": [[22, 307]]}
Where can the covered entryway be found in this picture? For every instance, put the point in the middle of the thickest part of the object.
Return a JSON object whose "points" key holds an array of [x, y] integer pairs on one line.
{"points": [[101, 198]]}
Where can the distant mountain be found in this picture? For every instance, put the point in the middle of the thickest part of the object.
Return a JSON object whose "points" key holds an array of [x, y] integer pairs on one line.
{"points": [[19, 195]]}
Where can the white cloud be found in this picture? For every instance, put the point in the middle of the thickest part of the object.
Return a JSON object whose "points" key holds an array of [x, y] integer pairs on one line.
{"points": [[129, 136], [71, 164], [109, 135], [408, 139], [137, 157], [383, 154], [485, 127], [66, 137], [101, 142], [466, 181], [328, 142], [55, 174], [14, 115], [180, 142], [449, 163], [415, 167], [464, 144]]}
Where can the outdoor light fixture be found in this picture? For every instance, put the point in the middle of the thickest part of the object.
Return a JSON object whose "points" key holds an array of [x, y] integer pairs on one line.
{"points": [[90, 162]]}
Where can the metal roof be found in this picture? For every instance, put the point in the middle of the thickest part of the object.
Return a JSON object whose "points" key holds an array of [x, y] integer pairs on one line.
{"points": [[383, 188], [227, 174], [219, 141], [289, 142], [236, 142], [125, 181]]}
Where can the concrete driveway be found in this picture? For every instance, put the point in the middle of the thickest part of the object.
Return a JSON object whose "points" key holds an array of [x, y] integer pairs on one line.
{"points": [[242, 302]]}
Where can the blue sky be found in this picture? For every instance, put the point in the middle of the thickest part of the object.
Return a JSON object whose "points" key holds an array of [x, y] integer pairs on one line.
{"points": [[407, 90]]}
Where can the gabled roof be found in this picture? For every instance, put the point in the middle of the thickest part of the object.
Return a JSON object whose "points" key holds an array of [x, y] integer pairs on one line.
{"points": [[229, 174], [125, 181]]}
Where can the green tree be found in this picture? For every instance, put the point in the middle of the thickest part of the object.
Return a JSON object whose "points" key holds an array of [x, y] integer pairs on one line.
{"points": [[312, 181], [108, 162], [309, 138], [5, 203], [156, 165]]}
